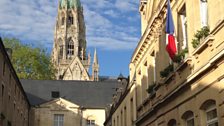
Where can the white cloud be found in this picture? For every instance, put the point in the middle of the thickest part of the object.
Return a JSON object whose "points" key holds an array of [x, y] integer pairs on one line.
{"points": [[34, 21], [111, 13]]}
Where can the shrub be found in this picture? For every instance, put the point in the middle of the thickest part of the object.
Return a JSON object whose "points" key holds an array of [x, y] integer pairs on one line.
{"points": [[202, 33]]}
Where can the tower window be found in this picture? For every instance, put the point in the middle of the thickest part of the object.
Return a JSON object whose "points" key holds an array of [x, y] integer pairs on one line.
{"points": [[60, 51], [70, 48], [63, 21], [70, 20]]}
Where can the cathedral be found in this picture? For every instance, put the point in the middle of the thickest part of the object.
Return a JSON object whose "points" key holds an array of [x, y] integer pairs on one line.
{"points": [[69, 50]]}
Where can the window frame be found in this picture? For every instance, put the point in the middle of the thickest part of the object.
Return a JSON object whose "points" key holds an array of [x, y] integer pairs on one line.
{"points": [[58, 119], [90, 122], [70, 48], [214, 120], [204, 12]]}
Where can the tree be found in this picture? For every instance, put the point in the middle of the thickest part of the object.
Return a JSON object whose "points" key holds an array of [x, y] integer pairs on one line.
{"points": [[30, 62]]}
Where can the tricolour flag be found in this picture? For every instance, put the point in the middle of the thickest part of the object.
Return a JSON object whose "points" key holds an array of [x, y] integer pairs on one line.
{"points": [[170, 42]]}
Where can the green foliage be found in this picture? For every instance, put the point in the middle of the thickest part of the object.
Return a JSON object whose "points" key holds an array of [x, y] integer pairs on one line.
{"points": [[202, 33], [195, 43], [151, 87], [167, 71], [180, 56], [30, 62]]}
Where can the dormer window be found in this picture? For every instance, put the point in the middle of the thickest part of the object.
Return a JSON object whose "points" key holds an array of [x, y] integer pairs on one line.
{"points": [[55, 94]]}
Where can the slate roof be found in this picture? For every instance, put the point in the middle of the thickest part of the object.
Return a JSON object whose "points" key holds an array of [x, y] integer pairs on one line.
{"points": [[83, 93]]}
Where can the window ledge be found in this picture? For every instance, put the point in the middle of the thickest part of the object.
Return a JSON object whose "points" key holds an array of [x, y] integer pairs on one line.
{"points": [[168, 79], [206, 42], [218, 27], [184, 64], [139, 108]]}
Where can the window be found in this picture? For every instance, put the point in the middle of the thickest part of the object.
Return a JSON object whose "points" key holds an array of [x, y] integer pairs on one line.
{"points": [[70, 47], [70, 20], [188, 117], [125, 116], [9, 123], [90, 122], [132, 110], [117, 120], [182, 28], [58, 120], [154, 65], [211, 114], [204, 13], [60, 51], [172, 122], [3, 91], [62, 20], [55, 94]]}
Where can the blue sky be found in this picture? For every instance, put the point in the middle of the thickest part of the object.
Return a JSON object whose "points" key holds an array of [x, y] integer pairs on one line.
{"points": [[112, 27]]}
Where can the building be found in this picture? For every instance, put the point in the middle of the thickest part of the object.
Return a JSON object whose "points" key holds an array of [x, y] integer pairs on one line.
{"points": [[122, 112], [14, 105], [189, 89], [67, 103], [69, 49]]}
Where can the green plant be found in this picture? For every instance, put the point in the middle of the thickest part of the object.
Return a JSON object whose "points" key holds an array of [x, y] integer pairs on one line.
{"points": [[151, 87], [202, 33], [167, 71], [180, 56]]}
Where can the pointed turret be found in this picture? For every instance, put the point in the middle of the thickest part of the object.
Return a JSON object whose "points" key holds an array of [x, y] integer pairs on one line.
{"points": [[95, 60], [95, 68]]}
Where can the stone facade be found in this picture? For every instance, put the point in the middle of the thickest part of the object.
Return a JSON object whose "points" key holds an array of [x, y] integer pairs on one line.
{"points": [[69, 49], [190, 91], [123, 110], [14, 106], [66, 113]]}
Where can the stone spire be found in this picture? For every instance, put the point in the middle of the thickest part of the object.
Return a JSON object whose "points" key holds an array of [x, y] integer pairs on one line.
{"points": [[95, 60], [95, 67]]}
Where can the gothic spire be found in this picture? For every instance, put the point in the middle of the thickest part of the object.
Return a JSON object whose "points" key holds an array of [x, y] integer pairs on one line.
{"points": [[95, 60]]}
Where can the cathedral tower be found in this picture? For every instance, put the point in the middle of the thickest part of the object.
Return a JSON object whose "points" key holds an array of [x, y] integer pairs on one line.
{"points": [[69, 49]]}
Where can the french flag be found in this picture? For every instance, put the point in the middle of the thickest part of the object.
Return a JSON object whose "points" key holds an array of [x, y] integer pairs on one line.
{"points": [[170, 42]]}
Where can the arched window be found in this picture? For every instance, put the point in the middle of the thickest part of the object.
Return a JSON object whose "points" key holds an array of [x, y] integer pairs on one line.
{"points": [[70, 19], [60, 49], [204, 12], [62, 19], [188, 117], [70, 48], [172, 122], [210, 111]]}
